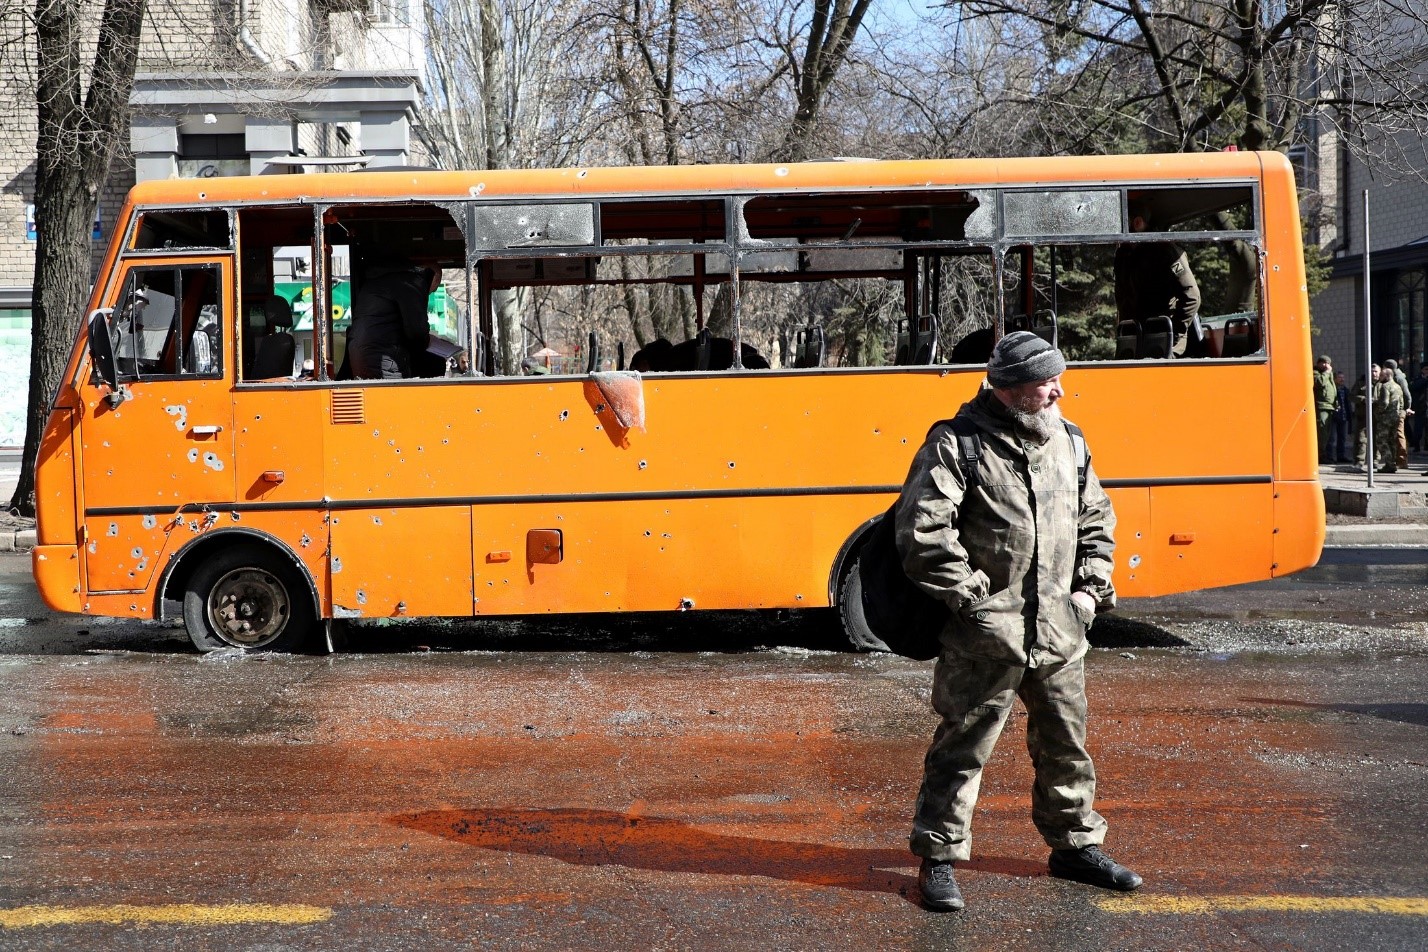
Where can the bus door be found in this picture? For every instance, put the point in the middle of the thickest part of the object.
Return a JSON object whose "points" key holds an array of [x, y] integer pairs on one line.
{"points": [[163, 438]]}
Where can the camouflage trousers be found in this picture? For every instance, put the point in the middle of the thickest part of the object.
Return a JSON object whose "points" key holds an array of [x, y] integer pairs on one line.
{"points": [[974, 698], [1385, 445]]}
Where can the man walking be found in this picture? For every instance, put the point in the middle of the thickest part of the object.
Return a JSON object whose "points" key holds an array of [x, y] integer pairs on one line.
{"points": [[1018, 544], [1326, 395]]}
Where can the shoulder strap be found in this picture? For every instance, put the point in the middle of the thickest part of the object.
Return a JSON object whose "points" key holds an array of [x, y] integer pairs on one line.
{"points": [[1083, 453], [969, 444]]}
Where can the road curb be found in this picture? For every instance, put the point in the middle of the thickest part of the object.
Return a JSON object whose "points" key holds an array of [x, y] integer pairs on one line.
{"points": [[17, 540], [1385, 534]]}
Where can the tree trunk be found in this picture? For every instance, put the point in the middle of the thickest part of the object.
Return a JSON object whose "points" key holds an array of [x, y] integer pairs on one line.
{"points": [[78, 131]]}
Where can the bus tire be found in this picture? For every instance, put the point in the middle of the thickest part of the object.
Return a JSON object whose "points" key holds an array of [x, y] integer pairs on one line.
{"points": [[850, 610], [245, 597]]}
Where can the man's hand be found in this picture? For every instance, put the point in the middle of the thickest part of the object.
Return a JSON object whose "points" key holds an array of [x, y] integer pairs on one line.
{"points": [[1084, 601]]}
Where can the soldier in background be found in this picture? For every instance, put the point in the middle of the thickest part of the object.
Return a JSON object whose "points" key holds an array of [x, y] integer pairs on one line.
{"points": [[1153, 278], [1326, 397], [1400, 380], [1387, 418]]}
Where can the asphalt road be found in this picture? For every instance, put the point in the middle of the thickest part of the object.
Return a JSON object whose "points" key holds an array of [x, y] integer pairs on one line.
{"points": [[698, 782]]}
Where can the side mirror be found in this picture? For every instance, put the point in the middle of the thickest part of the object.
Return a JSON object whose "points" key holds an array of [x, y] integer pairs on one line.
{"points": [[101, 356], [101, 349]]}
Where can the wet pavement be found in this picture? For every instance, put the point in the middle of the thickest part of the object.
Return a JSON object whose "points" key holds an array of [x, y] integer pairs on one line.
{"points": [[706, 782]]}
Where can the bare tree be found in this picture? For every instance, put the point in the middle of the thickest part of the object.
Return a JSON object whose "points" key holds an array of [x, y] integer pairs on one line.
{"points": [[1203, 74], [81, 107], [505, 91]]}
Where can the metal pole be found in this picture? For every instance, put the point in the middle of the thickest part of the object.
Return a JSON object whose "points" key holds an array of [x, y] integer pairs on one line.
{"points": [[1368, 354]]}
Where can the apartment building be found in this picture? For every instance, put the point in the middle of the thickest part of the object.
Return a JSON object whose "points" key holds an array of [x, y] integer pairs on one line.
{"points": [[223, 87]]}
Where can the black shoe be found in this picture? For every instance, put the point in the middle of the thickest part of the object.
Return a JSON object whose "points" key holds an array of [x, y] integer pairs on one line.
{"points": [[939, 886], [1090, 866]]}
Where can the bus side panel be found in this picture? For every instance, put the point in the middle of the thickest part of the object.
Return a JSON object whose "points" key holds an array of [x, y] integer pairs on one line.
{"points": [[55, 489], [123, 551], [56, 571], [395, 562], [1299, 526], [1210, 536], [665, 555], [1135, 571], [1288, 339]]}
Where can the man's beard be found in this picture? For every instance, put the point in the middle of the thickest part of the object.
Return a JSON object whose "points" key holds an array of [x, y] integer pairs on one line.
{"points": [[1041, 424]]}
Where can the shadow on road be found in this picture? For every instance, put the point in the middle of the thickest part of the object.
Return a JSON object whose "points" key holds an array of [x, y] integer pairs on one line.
{"points": [[1406, 713], [605, 838], [1117, 631]]}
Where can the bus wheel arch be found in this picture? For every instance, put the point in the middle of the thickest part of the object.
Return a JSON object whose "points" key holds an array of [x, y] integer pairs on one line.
{"points": [[845, 590], [243, 589]]}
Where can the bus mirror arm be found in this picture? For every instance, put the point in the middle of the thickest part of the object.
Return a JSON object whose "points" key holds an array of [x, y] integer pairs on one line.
{"points": [[101, 357]]}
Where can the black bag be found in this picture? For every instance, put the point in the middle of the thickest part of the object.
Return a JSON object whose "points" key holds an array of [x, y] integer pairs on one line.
{"points": [[904, 617]]}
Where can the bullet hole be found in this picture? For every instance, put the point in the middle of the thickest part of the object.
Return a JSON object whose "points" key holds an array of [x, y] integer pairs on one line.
{"points": [[193, 456], [212, 461], [599, 408], [376, 433], [685, 604], [731, 464], [877, 432], [305, 541], [904, 441], [361, 597], [643, 464], [113, 529], [564, 415], [1135, 562], [234, 516], [150, 522], [136, 552], [376, 520], [336, 565], [648, 533]]}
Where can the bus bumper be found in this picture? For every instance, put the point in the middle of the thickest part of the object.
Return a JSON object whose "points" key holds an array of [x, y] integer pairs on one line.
{"points": [[56, 569]]}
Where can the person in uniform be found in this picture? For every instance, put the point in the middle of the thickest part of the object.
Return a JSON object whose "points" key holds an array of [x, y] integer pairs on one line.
{"points": [[1153, 279], [1387, 421], [1326, 395], [389, 327], [1024, 561]]}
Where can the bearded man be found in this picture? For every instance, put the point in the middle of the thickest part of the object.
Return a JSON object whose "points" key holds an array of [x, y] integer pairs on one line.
{"points": [[1022, 555]]}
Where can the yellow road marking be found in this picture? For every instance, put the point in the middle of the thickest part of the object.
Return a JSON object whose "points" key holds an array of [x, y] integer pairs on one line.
{"points": [[1194, 905], [179, 914]]}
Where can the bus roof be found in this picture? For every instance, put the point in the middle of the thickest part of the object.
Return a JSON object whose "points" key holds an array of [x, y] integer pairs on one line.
{"points": [[635, 180]]}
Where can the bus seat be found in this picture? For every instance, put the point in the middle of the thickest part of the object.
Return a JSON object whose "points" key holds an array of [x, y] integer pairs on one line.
{"points": [[917, 341], [1240, 338], [1127, 340], [809, 347], [478, 354], [702, 344], [273, 355], [1043, 325], [1157, 337], [925, 350], [592, 354]]}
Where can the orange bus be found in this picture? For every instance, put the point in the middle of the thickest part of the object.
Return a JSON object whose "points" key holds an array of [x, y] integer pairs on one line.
{"points": [[658, 389]]}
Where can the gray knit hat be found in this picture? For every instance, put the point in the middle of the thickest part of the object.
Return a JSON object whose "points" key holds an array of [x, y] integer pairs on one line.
{"points": [[1023, 357]]}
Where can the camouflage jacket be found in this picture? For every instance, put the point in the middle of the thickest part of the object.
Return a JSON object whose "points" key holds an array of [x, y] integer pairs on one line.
{"points": [[1006, 557]]}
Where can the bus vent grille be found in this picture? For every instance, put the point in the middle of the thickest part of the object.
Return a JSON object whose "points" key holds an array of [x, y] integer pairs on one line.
{"points": [[349, 406]]}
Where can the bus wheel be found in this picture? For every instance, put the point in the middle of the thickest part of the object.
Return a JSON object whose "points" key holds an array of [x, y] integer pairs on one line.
{"points": [[850, 610], [244, 598]]}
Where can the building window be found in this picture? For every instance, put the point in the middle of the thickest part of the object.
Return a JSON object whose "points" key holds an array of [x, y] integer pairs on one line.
{"points": [[1405, 337]]}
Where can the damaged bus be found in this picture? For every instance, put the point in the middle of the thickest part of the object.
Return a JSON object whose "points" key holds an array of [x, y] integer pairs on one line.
{"points": [[652, 389]]}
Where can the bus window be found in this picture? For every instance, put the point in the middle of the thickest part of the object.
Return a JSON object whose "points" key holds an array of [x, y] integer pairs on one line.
{"points": [[1143, 299], [276, 298], [172, 229], [407, 267], [168, 323]]}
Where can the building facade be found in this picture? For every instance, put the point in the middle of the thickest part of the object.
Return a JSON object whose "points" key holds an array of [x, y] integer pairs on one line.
{"points": [[223, 87]]}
